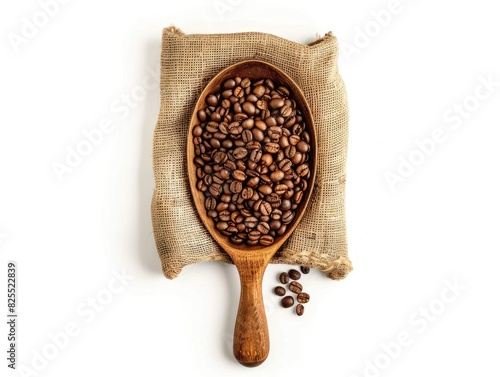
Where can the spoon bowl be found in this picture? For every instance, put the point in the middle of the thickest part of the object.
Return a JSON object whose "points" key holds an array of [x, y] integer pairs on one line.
{"points": [[251, 337]]}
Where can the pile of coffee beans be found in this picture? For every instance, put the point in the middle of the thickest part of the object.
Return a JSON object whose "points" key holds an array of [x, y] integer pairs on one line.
{"points": [[295, 287], [252, 157]]}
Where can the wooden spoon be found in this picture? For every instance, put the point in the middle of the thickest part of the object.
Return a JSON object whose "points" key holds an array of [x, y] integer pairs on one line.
{"points": [[251, 337]]}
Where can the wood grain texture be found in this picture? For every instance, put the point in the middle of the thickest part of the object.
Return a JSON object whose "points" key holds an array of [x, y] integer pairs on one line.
{"points": [[251, 337]]}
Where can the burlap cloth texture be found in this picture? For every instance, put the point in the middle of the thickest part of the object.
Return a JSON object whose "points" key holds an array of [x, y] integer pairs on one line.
{"points": [[188, 63]]}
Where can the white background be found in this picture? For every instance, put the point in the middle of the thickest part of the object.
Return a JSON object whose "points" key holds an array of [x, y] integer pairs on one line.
{"points": [[439, 226]]}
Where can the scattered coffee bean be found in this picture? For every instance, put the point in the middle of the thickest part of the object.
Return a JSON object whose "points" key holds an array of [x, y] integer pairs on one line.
{"points": [[287, 301], [303, 298], [304, 269], [294, 274], [280, 291], [252, 159], [295, 287], [284, 278], [299, 309]]}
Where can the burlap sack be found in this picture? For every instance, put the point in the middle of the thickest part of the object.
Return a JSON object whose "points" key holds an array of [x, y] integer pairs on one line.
{"points": [[188, 63]]}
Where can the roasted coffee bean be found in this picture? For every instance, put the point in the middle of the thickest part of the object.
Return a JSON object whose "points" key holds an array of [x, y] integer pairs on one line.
{"points": [[272, 147], [252, 159], [197, 131], [275, 103], [248, 108], [208, 180], [239, 175], [265, 208], [236, 187], [284, 278], [253, 182], [247, 193], [302, 170], [299, 309], [283, 91], [253, 145], [202, 116], [200, 173], [214, 143], [280, 189], [287, 217], [274, 132], [297, 197], [251, 222], [297, 158], [247, 136], [215, 189], [286, 204], [263, 227], [245, 83], [277, 175], [271, 121], [287, 301], [281, 230], [259, 90], [220, 158], [255, 155], [265, 189], [222, 225], [224, 215], [303, 298], [276, 214], [254, 235], [262, 104], [229, 84], [273, 198], [266, 159], [304, 269], [265, 178], [232, 229], [275, 224], [285, 165], [280, 291], [303, 147], [295, 287], [269, 84], [219, 136], [212, 100], [290, 151], [294, 274], [240, 153], [210, 203], [237, 240], [212, 127], [294, 139], [286, 111], [266, 240], [238, 92]]}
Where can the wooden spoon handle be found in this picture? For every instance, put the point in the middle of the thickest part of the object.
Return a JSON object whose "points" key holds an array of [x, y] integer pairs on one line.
{"points": [[251, 335]]}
